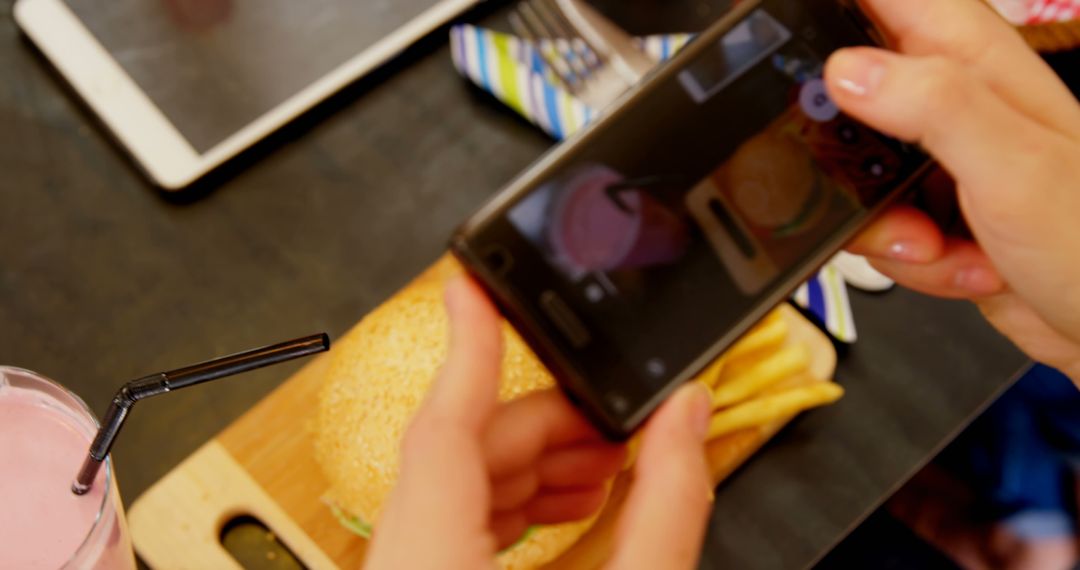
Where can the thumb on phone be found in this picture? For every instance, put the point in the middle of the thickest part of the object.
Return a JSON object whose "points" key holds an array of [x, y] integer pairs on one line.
{"points": [[663, 522]]}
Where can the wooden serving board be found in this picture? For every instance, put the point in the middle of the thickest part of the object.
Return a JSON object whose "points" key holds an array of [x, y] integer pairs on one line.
{"points": [[263, 465]]}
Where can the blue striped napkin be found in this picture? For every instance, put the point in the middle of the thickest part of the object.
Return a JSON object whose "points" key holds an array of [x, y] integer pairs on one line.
{"points": [[513, 70], [825, 295]]}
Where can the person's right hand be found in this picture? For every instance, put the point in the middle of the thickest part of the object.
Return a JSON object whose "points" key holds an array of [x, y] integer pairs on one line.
{"points": [[965, 86]]}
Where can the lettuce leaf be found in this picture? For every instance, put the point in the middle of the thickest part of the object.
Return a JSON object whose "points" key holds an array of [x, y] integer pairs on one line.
{"points": [[524, 536], [357, 526], [354, 524]]}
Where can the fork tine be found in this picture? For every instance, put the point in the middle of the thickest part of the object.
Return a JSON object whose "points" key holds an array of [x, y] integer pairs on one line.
{"points": [[569, 41], [548, 53], [571, 59], [584, 53], [592, 58], [529, 25]]}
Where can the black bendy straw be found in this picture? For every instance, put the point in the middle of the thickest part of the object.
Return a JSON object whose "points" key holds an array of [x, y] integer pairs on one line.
{"points": [[162, 382]]}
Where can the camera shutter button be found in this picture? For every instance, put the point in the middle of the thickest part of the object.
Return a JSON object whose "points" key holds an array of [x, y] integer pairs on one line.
{"points": [[564, 319]]}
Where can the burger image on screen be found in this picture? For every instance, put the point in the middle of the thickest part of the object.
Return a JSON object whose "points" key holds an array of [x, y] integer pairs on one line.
{"points": [[771, 181]]}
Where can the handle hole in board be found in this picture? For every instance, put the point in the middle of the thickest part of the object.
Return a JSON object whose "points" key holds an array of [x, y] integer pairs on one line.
{"points": [[256, 547]]}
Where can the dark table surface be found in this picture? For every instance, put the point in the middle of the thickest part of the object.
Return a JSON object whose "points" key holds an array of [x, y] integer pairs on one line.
{"points": [[102, 279]]}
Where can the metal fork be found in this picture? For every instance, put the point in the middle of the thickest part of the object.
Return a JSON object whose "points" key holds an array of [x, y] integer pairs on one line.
{"points": [[574, 62]]}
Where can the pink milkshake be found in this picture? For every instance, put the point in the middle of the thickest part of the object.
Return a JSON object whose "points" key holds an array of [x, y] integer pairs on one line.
{"points": [[44, 435]]}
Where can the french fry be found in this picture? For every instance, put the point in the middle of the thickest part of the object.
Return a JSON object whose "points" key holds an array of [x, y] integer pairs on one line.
{"points": [[711, 375], [773, 407], [632, 448], [768, 334], [772, 316], [778, 366]]}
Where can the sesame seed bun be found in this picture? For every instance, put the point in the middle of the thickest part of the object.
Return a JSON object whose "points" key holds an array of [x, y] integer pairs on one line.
{"points": [[377, 378]]}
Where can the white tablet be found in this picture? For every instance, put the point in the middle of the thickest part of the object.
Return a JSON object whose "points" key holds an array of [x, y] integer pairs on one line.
{"points": [[187, 84]]}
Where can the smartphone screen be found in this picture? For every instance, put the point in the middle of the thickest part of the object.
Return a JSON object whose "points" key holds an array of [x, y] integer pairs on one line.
{"points": [[666, 228]]}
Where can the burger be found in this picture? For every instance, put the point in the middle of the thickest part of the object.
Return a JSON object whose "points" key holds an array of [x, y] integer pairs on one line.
{"points": [[377, 378]]}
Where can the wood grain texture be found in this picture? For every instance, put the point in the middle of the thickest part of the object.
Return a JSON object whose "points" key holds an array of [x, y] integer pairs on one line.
{"points": [[273, 444], [263, 465], [177, 524]]}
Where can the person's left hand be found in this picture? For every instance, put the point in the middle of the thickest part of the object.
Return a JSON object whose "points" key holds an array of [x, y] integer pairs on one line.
{"points": [[475, 474]]}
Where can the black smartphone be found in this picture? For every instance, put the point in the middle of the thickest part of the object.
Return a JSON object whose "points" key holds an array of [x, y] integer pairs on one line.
{"points": [[634, 254]]}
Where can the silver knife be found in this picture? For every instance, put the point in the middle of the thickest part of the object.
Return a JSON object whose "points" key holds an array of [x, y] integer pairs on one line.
{"points": [[612, 41]]}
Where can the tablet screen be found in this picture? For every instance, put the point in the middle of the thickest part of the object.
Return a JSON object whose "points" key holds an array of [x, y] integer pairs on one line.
{"points": [[214, 66]]}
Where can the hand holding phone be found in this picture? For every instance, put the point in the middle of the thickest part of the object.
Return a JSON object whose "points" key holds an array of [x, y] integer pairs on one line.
{"points": [[1015, 257], [634, 254]]}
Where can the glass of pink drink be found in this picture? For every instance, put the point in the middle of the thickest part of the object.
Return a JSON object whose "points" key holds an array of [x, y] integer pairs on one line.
{"points": [[45, 432]]}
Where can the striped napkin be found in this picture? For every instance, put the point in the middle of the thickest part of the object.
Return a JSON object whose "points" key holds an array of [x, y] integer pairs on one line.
{"points": [[825, 295], [513, 70]]}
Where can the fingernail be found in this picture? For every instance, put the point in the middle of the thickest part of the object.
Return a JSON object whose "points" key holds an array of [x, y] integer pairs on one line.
{"points": [[978, 280], [1015, 11], [906, 251], [700, 408], [856, 72]]}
